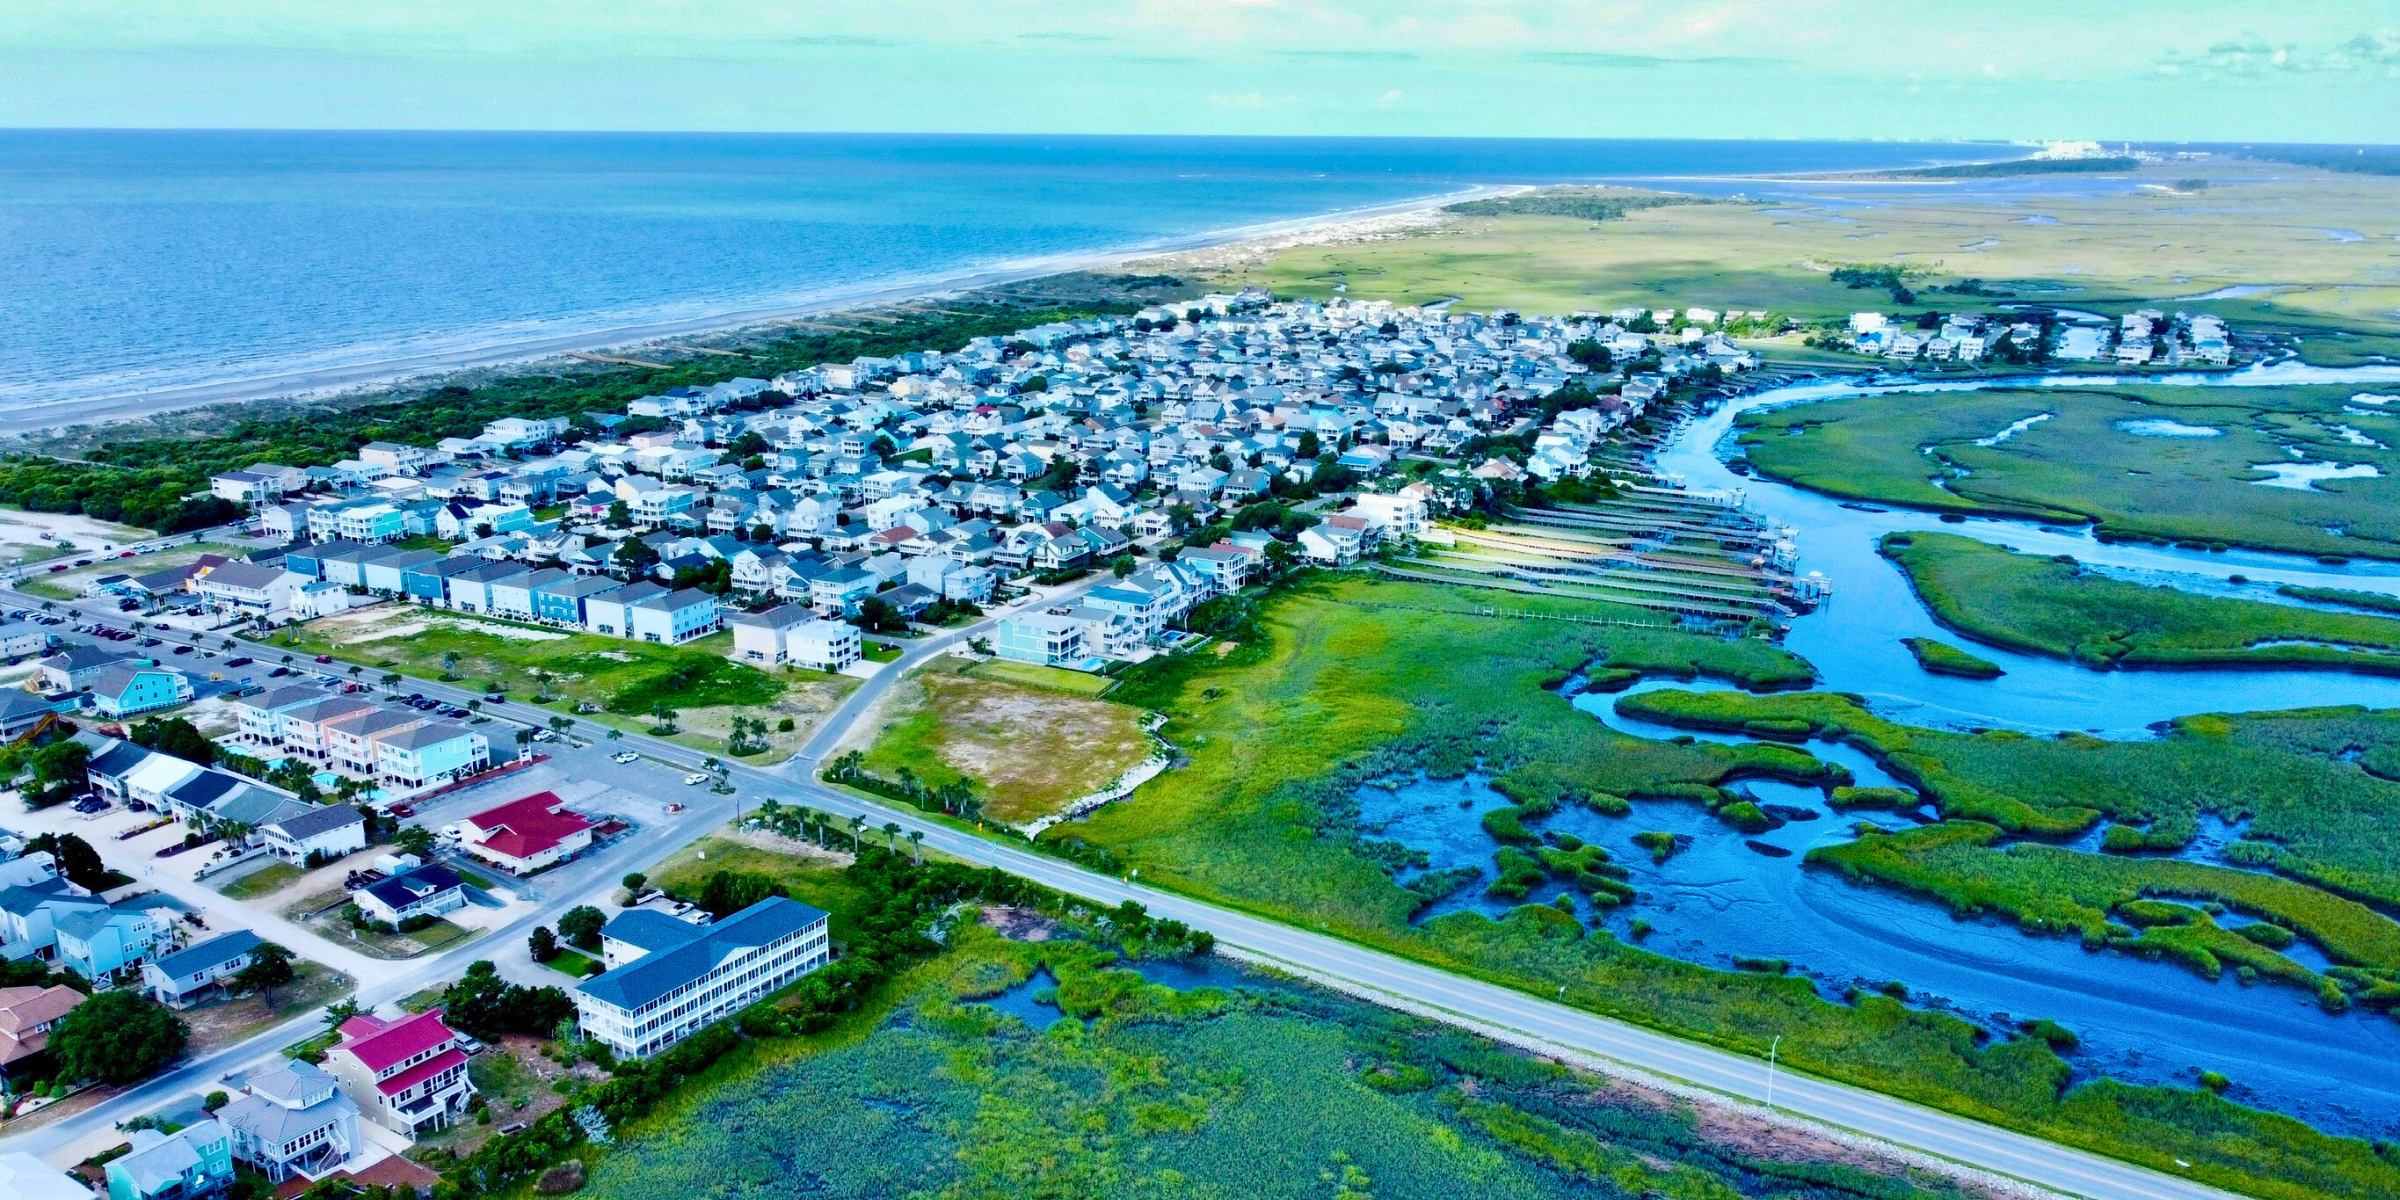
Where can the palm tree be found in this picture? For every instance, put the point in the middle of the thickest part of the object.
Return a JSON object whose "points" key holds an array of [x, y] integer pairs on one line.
{"points": [[449, 664], [355, 670], [857, 824], [916, 844], [561, 724], [891, 836]]}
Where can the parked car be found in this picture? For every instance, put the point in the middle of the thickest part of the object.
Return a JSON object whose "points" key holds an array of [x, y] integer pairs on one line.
{"points": [[149, 641], [279, 672], [183, 649], [695, 777], [403, 810], [243, 661], [466, 1043], [624, 756], [544, 735]]}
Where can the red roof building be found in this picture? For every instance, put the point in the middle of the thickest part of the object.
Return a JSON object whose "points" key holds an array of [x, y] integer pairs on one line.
{"points": [[524, 836], [406, 1075]]}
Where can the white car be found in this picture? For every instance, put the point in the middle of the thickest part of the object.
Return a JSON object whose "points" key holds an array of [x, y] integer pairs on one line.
{"points": [[624, 756], [696, 777], [544, 735]]}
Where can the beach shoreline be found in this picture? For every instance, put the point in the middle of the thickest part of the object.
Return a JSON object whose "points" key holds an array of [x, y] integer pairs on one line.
{"points": [[333, 382]]}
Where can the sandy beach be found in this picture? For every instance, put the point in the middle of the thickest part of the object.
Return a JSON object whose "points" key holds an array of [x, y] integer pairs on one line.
{"points": [[1369, 221]]}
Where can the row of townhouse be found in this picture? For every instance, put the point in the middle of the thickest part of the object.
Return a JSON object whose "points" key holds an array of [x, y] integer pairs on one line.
{"points": [[402, 749], [641, 611], [46, 918], [1126, 618], [288, 827], [667, 978]]}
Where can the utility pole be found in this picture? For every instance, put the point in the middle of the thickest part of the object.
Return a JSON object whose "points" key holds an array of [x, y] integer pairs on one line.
{"points": [[1771, 1047]]}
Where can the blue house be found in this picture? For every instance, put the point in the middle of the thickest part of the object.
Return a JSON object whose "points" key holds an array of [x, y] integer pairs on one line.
{"points": [[309, 561], [193, 1163], [97, 943], [562, 600], [121, 691]]}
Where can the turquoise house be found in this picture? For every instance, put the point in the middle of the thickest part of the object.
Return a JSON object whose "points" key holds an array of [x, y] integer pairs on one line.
{"points": [[193, 1163], [98, 942], [122, 691]]}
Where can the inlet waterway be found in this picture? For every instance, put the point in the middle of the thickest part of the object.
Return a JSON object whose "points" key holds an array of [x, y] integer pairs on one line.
{"points": [[1854, 642], [1727, 895]]}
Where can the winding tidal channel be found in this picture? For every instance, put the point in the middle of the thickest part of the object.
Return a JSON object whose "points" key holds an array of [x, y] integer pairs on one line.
{"points": [[1730, 895]]}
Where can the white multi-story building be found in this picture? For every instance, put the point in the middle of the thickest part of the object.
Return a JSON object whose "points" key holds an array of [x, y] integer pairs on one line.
{"points": [[406, 1075], [666, 979]]}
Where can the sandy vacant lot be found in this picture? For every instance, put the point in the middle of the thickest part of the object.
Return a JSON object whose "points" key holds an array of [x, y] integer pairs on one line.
{"points": [[1030, 750]]}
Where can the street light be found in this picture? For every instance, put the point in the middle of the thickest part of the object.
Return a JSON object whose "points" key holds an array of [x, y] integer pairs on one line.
{"points": [[1771, 1047]]}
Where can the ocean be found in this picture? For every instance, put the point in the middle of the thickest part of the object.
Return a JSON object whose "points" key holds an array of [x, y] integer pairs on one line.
{"points": [[145, 269]]}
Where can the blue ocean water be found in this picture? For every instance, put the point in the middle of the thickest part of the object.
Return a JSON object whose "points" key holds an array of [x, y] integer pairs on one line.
{"points": [[167, 262]]}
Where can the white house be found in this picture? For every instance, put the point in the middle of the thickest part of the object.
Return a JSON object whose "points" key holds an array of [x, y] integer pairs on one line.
{"points": [[292, 1119], [667, 979], [200, 971], [329, 832]]}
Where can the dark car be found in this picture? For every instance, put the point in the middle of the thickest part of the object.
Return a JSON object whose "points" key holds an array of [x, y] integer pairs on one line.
{"points": [[279, 672], [324, 658], [243, 661], [149, 641], [183, 649]]}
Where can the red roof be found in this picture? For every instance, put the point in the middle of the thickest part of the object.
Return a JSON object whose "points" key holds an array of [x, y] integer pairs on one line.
{"points": [[411, 1077], [380, 1044], [527, 827]]}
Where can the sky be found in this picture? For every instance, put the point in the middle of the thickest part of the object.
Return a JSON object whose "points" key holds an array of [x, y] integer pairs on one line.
{"points": [[2191, 70]]}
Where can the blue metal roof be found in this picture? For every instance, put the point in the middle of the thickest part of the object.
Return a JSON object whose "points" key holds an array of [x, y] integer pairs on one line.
{"points": [[662, 971]]}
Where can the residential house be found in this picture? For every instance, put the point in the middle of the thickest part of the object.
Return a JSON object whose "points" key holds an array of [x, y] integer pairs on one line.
{"points": [[292, 1120], [27, 1015], [666, 979], [192, 1163], [606, 612], [790, 633], [99, 943], [673, 618], [327, 832], [527, 834], [426, 891], [407, 1075], [431, 755], [249, 590], [1050, 637], [123, 691], [182, 978], [24, 1177]]}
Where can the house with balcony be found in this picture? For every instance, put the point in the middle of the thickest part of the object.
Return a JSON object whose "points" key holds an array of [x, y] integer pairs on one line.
{"points": [[1051, 638], [606, 612], [666, 979], [27, 1015], [431, 755], [427, 891], [97, 943], [673, 618], [790, 633], [192, 1163], [329, 832], [292, 1120], [198, 972], [123, 691], [407, 1075]]}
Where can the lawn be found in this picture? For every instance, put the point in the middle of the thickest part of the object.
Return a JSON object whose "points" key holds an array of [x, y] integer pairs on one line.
{"points": [[433, 937], [808, 872], [265, 881], [1058, 679], [1347, 681], [620, 679], [2049, 606], [2088, 460], [574, 963], [67, 585], [1029, 750]]}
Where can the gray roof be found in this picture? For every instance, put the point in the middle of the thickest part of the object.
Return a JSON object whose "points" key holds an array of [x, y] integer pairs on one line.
{"points": [[316, 821], [782, 616], [271, 1115], [22, 900], [204, 788], [203, 956], [243, 575], [703, 946], [430, 734], [79, 657], [161, 1159], [118, 760]]}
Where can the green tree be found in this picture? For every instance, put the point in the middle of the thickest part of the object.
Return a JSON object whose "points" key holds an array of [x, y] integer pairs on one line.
{"points": [[116, 1037], [581, 926], [340, 1011], [270, 968], [543, 943], [635, 881], [414, 839], [76, 860], [724, 893]]}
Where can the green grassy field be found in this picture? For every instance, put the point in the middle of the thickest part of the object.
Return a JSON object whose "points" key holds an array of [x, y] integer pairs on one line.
{"points": [[621, 679], [1353, 681], [2031, 602], [1029, 750], [1199, 1093], [2106, 253], [265, 881], [2084, 463], [1059, 679]]}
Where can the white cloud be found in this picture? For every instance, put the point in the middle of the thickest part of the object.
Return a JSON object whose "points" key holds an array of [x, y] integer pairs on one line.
{"points": [[1391, 97]]}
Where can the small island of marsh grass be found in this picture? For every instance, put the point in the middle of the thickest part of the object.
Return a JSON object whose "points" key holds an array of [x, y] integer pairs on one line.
{"points": [[1343, 682], [2057, 607], [2170, 464], [1942, 658]]}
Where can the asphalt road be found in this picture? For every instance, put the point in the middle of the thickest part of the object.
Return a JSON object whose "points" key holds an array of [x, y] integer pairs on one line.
{"points": [[1914, 1127]]}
